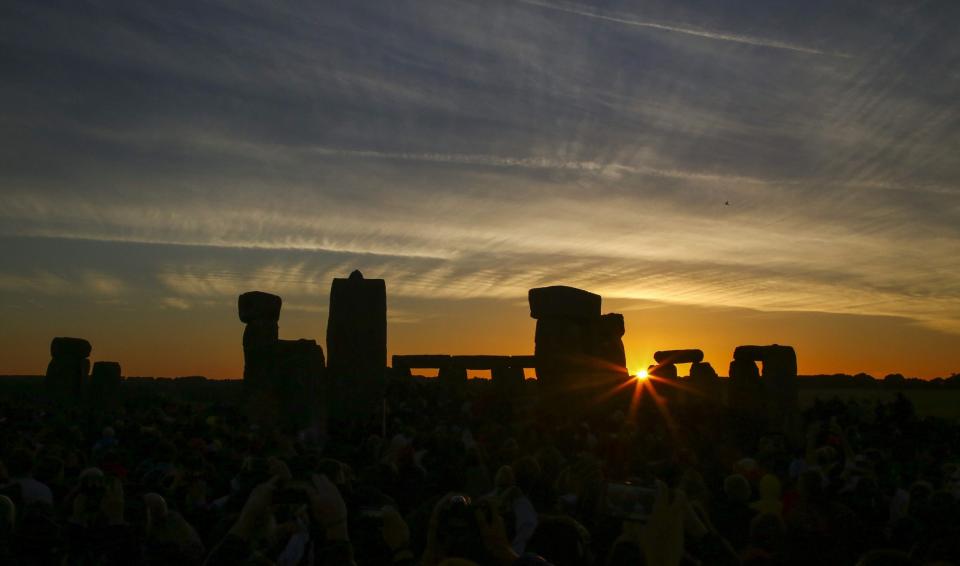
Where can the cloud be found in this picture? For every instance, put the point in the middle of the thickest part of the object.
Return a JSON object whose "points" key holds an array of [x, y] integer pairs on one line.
{"points": [[67, 282], [42, 282], [176, 303], [771, 286], [218, 281], [719, 36], [476, 149], [103, 284]]}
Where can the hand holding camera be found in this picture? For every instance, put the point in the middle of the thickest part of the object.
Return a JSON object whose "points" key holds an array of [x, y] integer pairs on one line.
{"points": [[462, 528]]}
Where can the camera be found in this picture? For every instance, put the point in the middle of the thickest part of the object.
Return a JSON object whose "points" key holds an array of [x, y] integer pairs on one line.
{"points": [[630, 500], [458, 530]]}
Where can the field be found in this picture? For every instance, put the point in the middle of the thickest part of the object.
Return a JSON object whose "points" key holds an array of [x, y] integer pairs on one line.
{"points": [[944, 403]]}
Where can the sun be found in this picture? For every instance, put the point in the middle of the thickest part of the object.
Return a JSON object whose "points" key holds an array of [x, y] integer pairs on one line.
{"points": [[641, 374]]}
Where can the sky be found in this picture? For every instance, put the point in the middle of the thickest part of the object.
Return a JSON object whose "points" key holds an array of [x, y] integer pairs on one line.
{"points": [[722, 173]]}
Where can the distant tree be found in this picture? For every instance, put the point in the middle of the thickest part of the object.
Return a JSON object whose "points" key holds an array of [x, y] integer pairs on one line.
{"points": [[894, 379]]}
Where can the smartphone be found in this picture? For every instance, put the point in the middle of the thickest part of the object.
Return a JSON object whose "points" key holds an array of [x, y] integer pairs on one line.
{"points": [[370, 512], [629, 500]]}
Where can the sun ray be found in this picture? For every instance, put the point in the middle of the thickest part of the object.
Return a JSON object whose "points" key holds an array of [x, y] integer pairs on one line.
{"points": [[661, 405]]}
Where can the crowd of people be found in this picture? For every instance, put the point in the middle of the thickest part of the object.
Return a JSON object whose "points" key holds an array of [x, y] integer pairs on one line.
{"points": [[469, 477]]}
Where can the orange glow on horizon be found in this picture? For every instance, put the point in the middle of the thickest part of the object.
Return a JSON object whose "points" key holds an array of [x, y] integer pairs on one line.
{"points": [[207, 340]]}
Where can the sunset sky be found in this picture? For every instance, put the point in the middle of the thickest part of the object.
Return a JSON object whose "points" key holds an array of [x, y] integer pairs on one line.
{"points": [[722, 173]]}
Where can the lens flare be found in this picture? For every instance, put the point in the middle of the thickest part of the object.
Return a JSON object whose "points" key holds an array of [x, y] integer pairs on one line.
{"points": [[641, 374]]}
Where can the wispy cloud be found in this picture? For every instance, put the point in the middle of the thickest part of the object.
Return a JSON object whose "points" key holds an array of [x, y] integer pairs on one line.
{"points": [[39, 282], [686, 30], [103, 283], [73, 281], [176, 303], [472, 150]]}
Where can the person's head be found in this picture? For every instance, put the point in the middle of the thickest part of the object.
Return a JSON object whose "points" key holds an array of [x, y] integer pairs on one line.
{"points": [[504, 478], [736, 488], [527, 472]]}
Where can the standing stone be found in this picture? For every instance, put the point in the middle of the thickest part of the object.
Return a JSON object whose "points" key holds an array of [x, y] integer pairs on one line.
{"points": [[508, 380], [357, 342], [663, 371], [704, 383], [745, 392], [105, 380], [261, 313], [67, 372], [357, 327], [523, 362], [72, 348], [607, 346], [559, 351], [751, 353], [560, 301], [257, 305], [678, 356], [572, 339], [780, 385], [578, 353], [778, 388], [299, 383], [482, 362], [402, 365], [283, 379], [453, 376], [665, 381], [702, 372]]}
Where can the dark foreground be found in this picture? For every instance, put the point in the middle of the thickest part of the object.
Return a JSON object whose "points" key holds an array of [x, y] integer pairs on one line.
{"points": [[179, 476]]}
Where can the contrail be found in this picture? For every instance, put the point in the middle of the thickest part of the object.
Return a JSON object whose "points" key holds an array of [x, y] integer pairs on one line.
{"points": [[598, 167], [688, 31]]}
